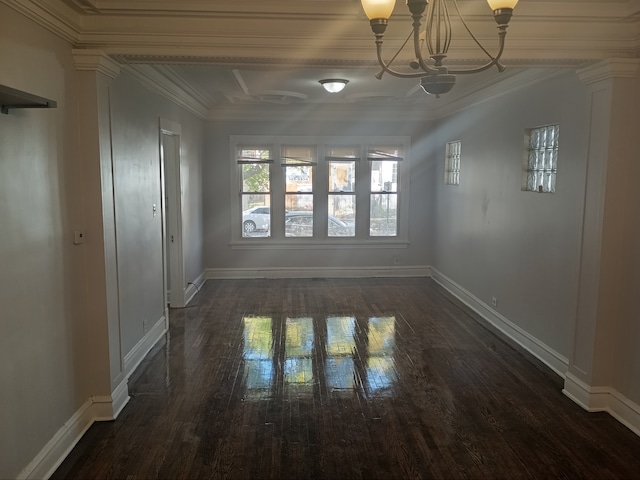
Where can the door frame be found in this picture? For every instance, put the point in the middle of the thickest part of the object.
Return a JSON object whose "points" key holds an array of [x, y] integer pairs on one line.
{"points": [[171, 200]]}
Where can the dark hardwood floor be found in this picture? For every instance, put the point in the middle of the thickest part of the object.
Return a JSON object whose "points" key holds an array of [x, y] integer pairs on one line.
{"points": [[346, 379]]}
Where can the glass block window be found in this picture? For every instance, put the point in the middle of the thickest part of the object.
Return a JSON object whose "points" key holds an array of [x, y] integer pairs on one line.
{"points": [[452, 163], [541, 160]]}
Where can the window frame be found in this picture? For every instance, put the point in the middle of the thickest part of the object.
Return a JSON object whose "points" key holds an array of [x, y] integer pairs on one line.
{"points": [[321, 239]]}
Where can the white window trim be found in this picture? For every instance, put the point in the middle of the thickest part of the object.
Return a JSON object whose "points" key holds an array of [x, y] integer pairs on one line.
{"points": [[324, 143]]}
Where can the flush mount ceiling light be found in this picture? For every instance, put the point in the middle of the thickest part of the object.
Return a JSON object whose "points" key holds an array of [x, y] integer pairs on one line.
{"points": [[334, 85], [434, 77]]}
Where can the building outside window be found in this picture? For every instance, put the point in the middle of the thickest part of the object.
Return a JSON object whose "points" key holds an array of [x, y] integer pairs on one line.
{"points": [[383, 217], [299, 163], [341, 164]]}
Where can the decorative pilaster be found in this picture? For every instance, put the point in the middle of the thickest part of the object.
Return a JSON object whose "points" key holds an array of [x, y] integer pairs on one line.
{"points": [[611, 86]]}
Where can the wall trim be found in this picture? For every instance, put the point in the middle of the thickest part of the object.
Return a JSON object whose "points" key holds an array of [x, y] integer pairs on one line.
{"points": [[96, 408], [194, 287], [318, 272], [144, 346], [603, 399], [556, 362]]}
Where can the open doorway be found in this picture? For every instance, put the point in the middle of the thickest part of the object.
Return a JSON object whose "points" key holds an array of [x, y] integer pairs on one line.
{"points": [[174, 281]]}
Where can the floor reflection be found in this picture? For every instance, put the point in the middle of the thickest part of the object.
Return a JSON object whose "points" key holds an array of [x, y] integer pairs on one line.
{"points": [[300, 355]]}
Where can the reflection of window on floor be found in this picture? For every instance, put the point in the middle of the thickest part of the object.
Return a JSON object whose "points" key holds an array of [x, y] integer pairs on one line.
{"points": [[355, 355], [258, 355], [380, 370], [298, 349], [341, 344]]}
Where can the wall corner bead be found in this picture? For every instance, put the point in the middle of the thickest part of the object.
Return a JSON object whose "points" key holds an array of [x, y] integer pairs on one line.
{"points": [[608, 69], [95, 60]]}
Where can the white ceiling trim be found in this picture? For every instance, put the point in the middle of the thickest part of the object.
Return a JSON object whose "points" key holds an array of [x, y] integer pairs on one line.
{"points": [[170, 88], [53, 16]]}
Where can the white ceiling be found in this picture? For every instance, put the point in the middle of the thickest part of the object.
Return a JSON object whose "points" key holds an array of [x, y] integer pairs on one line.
{"points": [[237, 52]]}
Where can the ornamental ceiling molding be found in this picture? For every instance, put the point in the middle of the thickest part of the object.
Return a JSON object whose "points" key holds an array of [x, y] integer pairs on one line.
{"points": [[51, 15], [169, 85], [546, 30]]}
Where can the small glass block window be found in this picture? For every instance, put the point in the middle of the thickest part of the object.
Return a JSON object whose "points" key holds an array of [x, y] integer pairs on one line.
{"points": [[541, 161], [452, 163]]}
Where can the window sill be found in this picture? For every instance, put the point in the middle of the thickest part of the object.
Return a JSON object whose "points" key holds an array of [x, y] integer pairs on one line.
{"points": [[314, 244]]}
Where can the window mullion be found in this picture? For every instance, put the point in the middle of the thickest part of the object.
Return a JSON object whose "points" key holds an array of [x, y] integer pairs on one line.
{"points": [[363, 195], [278, 196]]}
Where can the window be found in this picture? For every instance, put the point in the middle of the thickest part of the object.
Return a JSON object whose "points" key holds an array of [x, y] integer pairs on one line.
{"points": [[341, 163], [299, 191], [383, 217], [299, 163], [452, 163], [254, 164], [540, 163]]}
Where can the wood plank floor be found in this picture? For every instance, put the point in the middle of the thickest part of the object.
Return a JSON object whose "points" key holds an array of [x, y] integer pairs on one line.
{"points": [[345, 379]]}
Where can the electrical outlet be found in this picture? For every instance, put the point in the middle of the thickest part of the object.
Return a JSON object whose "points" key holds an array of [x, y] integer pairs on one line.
{"points": [[144, 326], [494, 301], [395, 260]]}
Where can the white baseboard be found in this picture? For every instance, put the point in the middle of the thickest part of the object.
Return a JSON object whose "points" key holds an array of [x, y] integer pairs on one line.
{"points": [[592, 399], [556, 362], [603, 399], [97, 408], [193, 288], [56, 450], [146, 343], [318, 272], [108, 408]]}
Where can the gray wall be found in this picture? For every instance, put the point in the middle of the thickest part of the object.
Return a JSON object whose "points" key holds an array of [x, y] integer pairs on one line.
{"points": [[136, 167], [41, 271], [48, 366], [522, 248]]}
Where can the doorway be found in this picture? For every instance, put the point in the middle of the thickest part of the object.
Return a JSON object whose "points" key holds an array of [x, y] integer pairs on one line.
{"points": [[173, 259]]}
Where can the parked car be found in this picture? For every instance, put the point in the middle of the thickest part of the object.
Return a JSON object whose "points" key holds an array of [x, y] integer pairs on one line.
{"points": [[300, 224], [256, 219]]}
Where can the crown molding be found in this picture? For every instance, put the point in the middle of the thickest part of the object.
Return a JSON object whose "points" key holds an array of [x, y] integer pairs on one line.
{"points": [[170, 86], [610, 68], [541, 30], [95, 61], [52, 15]]}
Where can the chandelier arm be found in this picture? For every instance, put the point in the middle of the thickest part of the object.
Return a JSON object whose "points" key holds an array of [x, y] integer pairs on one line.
{"points": [[455, 3], [417, 48], [495, 60], [390, 71]]}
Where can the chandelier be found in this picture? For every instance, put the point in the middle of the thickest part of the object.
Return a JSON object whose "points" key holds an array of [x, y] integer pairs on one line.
{"points": [[435, 78]]}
